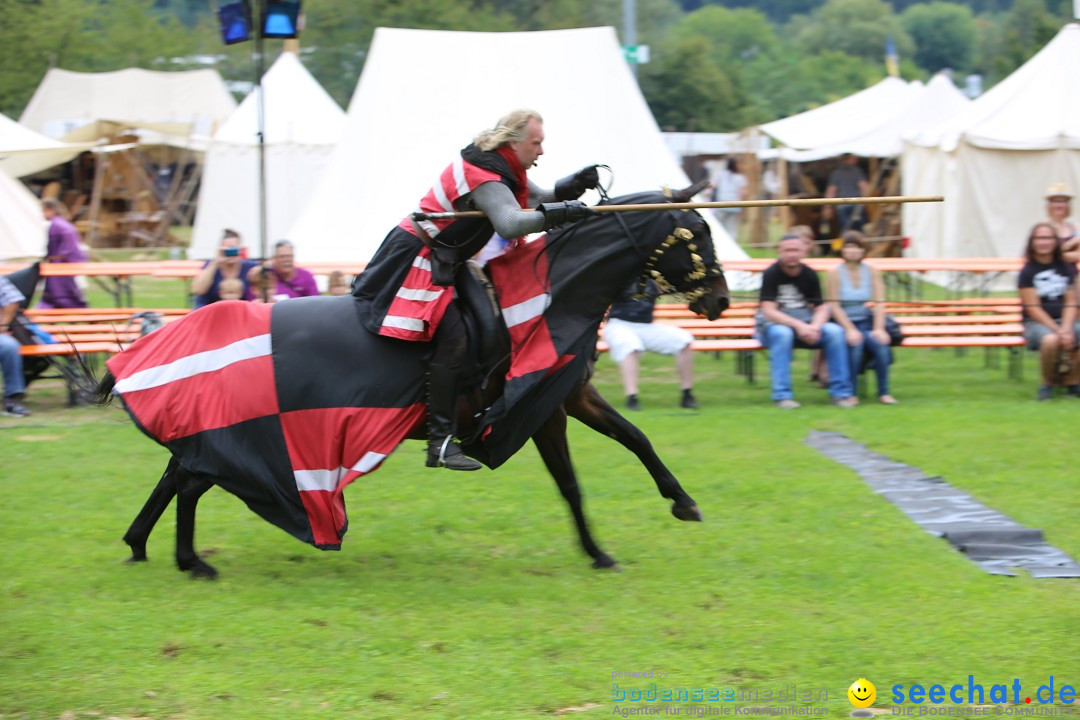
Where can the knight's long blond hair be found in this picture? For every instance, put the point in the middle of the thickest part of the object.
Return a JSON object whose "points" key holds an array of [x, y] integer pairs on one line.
{"points": [[510, 128]]}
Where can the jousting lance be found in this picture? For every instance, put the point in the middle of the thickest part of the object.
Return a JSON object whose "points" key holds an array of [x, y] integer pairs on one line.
{"points": [[715, 205]]}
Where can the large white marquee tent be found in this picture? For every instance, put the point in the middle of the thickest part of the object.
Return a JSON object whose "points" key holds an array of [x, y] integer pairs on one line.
{"points": [[843, 120], [303, 124], [870, 123], [24, 152], [406, 121], [174, 103], [994, 161], [22, 226]]}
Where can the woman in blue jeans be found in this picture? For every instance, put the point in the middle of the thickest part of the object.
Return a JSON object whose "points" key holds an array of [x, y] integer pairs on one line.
{"points": [[850, 286]]}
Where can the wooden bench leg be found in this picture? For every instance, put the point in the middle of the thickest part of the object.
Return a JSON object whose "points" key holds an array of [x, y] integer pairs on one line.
{"points": [[1016, 363]]}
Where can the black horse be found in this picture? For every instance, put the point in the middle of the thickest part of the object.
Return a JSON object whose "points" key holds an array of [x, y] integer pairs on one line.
{"points": [[226, 435]]}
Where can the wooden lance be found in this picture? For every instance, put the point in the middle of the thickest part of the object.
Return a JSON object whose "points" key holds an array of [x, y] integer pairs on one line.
{"points": [[714, 205]]}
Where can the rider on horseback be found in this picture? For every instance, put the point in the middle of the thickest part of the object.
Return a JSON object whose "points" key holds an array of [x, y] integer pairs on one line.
{"points": [[406, 292]]}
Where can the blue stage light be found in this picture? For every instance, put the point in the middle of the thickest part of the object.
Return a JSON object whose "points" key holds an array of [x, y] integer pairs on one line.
{"points": [[281, 19], [235, 20]]}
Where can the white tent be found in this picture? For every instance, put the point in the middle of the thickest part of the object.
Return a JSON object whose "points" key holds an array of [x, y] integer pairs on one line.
{"points": [[24, 152], [994, 161], [920, 107], [303, 123], [406, 122], [22, 226], [846, 119], [178, 103]]}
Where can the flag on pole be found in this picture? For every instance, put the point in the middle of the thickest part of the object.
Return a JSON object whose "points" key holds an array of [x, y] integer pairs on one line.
{"points": [[892, 60]]}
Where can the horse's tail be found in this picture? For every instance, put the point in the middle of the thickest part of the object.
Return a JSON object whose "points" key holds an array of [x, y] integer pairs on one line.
{"points": [[103, 393]]}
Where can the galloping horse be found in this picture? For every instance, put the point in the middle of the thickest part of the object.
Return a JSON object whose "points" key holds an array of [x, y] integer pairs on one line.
{"points": [[284, 405]]}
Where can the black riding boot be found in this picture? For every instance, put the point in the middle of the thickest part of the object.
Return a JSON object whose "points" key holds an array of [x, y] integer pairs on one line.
{"points": [[442, 451]]}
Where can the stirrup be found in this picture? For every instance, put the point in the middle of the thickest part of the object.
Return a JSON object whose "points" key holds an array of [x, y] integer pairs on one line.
{"points": [[456, 460]]}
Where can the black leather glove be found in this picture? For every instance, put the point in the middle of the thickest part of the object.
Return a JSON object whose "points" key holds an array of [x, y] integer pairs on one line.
{"points": [[561, 213], [574, 186]]}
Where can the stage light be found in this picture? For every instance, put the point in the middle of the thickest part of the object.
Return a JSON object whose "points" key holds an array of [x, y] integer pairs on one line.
{"points": [[235, 20], [281, 19]]}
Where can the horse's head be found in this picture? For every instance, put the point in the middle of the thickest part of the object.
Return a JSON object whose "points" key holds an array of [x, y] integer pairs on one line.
{"points": [[685, 261]]}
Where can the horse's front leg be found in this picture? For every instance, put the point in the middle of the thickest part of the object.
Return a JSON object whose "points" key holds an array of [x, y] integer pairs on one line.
{"points": [[588, 406], [551, 441]]}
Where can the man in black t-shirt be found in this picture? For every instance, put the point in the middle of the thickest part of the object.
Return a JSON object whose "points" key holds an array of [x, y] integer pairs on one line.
{"points": [[793, 314]]}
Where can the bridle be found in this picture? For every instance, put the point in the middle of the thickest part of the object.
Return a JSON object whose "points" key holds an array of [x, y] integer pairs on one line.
{"points": [[698, 272]]}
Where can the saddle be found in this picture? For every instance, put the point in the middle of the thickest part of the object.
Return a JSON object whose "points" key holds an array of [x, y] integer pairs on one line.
{"points": [[488, 338]]}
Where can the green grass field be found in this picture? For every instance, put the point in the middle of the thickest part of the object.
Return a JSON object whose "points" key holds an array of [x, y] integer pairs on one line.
{"points": [[465, 595]]}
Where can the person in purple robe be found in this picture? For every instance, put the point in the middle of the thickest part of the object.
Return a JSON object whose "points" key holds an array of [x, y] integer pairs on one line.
{"points": [[64, 247]]}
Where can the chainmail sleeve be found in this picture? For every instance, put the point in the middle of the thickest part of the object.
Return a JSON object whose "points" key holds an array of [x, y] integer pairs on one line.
{"points": [[539, 195], [502, 209]]}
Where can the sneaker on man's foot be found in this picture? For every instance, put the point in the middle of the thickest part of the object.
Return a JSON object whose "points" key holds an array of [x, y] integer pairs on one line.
{"points": [[632, 403], [688, 401], [788, 404], [846, 402], [1045, 393], [15, 409]]}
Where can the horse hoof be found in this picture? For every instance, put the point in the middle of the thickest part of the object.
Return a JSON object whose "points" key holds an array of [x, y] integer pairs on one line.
{"points": [[690, 513], [136, 558], [204, 571], [606, 563]]}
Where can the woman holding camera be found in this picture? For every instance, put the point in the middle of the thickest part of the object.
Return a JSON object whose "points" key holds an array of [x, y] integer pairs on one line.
{"points": [[227, 264]]}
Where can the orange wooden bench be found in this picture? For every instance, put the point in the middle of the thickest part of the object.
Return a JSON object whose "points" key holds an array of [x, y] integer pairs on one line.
{"points": [[64, 348]]}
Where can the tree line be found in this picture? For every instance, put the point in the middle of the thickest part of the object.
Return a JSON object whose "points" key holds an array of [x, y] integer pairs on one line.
{"points": [[714, 67]]}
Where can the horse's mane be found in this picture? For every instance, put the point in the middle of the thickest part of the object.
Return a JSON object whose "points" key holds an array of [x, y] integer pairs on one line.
{"points": [[562, 238]]}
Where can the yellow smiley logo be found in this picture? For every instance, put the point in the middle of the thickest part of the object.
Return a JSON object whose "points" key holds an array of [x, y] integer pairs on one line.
{"points": [[862, 693]]}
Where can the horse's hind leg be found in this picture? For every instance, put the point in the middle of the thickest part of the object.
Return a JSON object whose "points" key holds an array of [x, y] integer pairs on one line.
{"points": [[144, 522], [588, 406], [550, 440], [189, 488]]}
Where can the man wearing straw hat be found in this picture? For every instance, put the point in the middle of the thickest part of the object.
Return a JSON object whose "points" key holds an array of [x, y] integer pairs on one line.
{"points": [[1058, 209]]}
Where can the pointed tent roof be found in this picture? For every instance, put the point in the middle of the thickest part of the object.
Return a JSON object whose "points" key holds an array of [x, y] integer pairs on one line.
{"points": [[1037, 107], [303, 124], [65, 100], [406, 122], [845, 119], [24, 152], [22, 226], [298, 110], [936, 102]]}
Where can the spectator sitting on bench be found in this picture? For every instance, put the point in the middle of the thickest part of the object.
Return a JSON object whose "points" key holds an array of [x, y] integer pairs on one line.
{"points": [[792, 312], [630, 331], [289, 281], [1048, 298], [228, 263], [850, 286], [1058, 209], [10, 360]]}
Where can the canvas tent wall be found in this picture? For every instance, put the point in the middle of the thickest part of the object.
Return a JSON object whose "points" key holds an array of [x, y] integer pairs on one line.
{"points": [[303, 124], [994, 161], [25, 152], [22, 226], [406, 122], [177, 103]]}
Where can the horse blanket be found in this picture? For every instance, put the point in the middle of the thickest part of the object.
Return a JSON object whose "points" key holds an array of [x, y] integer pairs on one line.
{"points": [[287, 404]]}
